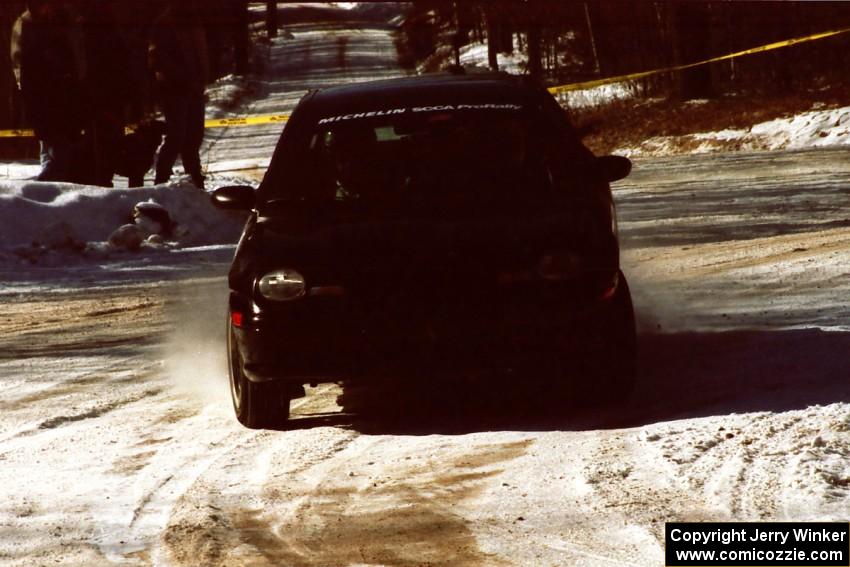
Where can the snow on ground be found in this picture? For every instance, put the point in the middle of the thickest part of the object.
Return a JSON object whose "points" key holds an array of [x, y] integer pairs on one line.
{"points": [[813, 129], [56, 235], [475, 55], [118, 444], [41, 213], [595, 96]]}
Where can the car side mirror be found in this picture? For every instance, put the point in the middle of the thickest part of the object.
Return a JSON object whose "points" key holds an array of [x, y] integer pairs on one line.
{"points": [[613, 168], [234, 198]]}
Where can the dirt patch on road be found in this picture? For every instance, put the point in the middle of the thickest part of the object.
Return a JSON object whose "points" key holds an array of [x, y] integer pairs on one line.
{"points": [[88, 320], [404, 514]]}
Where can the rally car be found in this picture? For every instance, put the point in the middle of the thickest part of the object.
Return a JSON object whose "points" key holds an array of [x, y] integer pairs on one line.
{"points": [[421, 227]]}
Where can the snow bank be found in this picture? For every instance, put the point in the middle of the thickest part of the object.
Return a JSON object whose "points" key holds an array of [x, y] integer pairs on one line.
{"points": [[62, 215], [816, 128], [811, 129]]}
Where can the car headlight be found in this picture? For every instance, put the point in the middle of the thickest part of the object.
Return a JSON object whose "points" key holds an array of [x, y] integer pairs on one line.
{"points": [[282, 285], [557, 266]]}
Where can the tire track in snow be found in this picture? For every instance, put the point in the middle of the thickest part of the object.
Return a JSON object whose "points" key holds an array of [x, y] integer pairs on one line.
{"points": [[33, 427], [201, 530], [97, 411], [155, 504], [409, 509], [741, 467], [332, 497]]}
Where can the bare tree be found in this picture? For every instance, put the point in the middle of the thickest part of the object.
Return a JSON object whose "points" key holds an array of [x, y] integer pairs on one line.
{"points": [[271, 18]]}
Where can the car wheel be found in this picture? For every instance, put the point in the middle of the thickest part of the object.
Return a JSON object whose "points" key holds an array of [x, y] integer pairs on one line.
{"points": [[610, 369], [623, 345], [258, 405]]}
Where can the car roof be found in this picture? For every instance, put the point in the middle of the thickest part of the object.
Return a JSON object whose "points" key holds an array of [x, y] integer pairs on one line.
{"points": [[436, 89]]}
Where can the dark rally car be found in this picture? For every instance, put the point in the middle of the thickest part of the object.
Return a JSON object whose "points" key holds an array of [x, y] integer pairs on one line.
{"points": [[422, 227]]}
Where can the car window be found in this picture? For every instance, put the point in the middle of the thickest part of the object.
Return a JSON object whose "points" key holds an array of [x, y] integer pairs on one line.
{"points": [[437, 156]]}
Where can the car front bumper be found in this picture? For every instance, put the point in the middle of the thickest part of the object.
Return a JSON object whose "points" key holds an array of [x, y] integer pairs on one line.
{"points": [[343, 337]]}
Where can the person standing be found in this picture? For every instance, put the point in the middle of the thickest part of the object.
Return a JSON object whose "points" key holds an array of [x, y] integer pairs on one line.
{"points": [[47, 73], [107, 87], [180, 65]]}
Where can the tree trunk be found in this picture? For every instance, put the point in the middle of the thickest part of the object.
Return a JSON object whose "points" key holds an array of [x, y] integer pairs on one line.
{"points": [[597, 69], [535, 68], [691, 22], [271, 19], [241, 39], [492, 41]]}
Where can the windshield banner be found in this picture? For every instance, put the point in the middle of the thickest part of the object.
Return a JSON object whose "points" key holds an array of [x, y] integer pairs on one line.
{"points": [[418, 109]]}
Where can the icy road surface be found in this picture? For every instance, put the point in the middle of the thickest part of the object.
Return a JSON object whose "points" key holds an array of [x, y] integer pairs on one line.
{"points": [[118, 444]]}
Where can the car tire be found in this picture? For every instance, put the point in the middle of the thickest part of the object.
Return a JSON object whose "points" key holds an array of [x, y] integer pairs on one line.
{"points": [[610, 369], [258, 405]]}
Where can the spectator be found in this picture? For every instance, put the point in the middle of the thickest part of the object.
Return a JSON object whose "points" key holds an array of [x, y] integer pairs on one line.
{"points": [[107, 88], [180, 65], [47, 72]]}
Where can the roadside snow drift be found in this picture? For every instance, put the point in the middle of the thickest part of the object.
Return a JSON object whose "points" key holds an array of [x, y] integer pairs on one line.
{"points": [[61, 216], [818, 128]]}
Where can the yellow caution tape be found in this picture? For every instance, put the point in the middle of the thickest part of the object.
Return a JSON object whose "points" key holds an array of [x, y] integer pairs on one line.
{"points": [[282, 118], [16, 133], [641, 75], [211, 123], [246, 120]]}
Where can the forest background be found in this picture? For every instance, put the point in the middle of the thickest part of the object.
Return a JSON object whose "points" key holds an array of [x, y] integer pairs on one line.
{"points": [[558, 43]]}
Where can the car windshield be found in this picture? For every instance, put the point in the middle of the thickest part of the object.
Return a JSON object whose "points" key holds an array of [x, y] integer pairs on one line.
{"points": [[473, 157]]}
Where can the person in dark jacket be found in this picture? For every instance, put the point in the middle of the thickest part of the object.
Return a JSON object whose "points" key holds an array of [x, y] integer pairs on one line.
{"points": [[179, 61], [47, 70]]}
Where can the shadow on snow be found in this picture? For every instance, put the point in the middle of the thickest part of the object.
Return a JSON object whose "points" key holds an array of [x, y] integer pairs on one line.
{"points": [[685, 375]]}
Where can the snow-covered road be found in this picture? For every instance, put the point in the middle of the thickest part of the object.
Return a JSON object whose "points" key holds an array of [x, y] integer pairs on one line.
{"points": [[309, 56], [118, 442]]}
